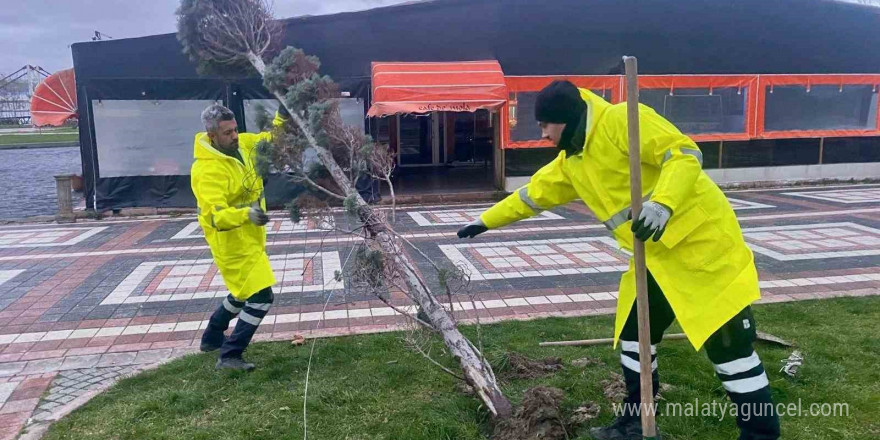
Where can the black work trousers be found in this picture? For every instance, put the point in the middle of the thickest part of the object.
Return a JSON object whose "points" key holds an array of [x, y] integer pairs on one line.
{"points": [[250, 313], [730, 349]]}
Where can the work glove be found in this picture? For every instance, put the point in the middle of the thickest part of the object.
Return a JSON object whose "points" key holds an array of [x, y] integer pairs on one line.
{"points": [[472, 230], [652, 221], [257, 216]]}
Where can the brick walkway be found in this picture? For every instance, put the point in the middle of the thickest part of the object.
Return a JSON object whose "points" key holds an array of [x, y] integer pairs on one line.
{"points": [[82, 305]]}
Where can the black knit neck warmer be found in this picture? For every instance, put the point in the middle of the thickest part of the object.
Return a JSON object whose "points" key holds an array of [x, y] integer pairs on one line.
{"points": [[573, 136]]}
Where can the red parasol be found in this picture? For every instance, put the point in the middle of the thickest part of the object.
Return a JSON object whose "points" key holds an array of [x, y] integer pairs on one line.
{"points": [[54, 100]]}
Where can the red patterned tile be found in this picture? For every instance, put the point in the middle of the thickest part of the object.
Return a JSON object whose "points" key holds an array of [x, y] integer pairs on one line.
{"points": [[46, 345], [93, 323], [102, 341], [117, 322], [129, 339], [143, 320], [182, 336], [156, 337], [18, 348]]}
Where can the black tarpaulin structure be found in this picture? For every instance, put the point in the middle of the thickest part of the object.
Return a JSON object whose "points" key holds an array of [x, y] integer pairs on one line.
{"points": [[139, 98]]}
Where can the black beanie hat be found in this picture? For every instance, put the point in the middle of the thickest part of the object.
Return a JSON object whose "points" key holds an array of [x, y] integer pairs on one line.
{"points": [[560, 103]]}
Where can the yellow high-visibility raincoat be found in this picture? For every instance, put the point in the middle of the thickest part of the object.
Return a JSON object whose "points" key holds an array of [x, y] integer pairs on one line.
{"points": [[701, 262], [225, 189]]}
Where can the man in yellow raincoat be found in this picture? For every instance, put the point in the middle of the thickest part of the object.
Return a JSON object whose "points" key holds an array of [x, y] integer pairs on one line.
{"points": [[232, 212], [700, 270]]}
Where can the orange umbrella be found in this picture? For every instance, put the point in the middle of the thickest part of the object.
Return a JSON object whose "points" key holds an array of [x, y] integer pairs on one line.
{"points": [[54, 100]]}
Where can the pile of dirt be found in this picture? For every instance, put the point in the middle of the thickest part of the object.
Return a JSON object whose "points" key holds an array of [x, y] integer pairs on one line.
{"points": [[587, 362], [538, 418], [522, 367], [614, 388], [584, 413]]}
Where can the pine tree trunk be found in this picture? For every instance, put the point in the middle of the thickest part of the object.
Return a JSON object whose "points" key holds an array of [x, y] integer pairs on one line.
{"points": [[476, 370]]}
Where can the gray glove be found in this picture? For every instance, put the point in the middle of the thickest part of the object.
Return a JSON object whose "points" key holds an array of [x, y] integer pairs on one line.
{"points": [[257, 216], [652, 221]]}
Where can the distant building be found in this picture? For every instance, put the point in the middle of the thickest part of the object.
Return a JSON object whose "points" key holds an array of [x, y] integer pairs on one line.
{"points": [[770, 90]]}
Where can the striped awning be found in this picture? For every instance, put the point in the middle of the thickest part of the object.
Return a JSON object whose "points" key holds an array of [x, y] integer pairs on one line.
{"points": [[464, 86]]}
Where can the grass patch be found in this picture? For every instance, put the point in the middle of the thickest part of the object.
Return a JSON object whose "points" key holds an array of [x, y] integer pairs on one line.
{"points": [[42, 138], [370, 387]]}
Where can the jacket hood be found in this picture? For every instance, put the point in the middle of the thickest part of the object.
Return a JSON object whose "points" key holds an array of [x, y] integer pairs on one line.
{"points": [[574, 142], [203, 150], [596, 106]]}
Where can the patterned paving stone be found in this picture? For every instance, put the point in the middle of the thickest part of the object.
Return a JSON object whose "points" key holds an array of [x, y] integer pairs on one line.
{"points": [[6, 275], [68, 385], [152, 356], [742, 205], [846, 196], [179, 280], [458, 217], [814, 241], [46, 237], [116, 359], [193, 230], [6, 390], [88, 308], [537, 258]]}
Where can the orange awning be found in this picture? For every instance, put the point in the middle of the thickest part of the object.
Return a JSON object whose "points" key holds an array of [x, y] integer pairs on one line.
{"points": [[54, 99], [464, 86]]}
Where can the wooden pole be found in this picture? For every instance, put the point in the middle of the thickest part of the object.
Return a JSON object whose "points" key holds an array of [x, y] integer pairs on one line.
{"points": [[649, 427]]}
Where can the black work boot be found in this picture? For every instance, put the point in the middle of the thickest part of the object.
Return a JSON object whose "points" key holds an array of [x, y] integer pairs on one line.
{"points": [[234, 364], [623, 428], [210, 344]]}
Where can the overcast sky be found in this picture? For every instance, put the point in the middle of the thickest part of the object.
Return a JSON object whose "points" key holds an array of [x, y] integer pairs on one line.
{"points": [[39, 32]]}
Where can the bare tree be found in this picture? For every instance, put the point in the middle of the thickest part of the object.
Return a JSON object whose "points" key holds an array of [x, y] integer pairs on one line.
{"points": [[380, 163], [237, 34]]}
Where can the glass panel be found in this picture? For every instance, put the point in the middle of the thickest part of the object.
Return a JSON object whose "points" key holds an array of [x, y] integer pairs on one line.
{"points": [[824, 107], [381, 133], [352, 112], [350, 109], [146, 138], [524, 127], [464, 136], [415, 140], [696, 111], [251, 107]]}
